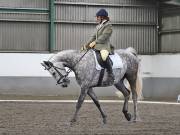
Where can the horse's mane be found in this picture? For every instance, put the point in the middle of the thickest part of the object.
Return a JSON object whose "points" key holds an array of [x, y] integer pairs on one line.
{"points": [[63, 55], [64, 52]]}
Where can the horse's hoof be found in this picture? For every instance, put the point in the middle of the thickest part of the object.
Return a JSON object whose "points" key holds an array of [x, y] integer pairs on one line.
{"points": [[104, 121], [128, 116], [73, 121], [136, 120]]}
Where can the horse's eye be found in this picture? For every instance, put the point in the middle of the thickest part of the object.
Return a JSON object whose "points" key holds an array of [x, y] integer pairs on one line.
{"points": [[53, 73]]}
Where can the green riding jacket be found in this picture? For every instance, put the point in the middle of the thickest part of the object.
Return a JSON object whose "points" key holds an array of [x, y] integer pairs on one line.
{"points": [[102, 37]]}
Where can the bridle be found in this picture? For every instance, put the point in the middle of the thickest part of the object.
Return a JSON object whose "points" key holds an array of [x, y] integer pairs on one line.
{"points": [[64, 77], [61, 75]]}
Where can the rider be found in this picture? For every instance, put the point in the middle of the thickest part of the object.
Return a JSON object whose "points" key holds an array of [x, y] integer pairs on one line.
{"points": [[100, 40]]}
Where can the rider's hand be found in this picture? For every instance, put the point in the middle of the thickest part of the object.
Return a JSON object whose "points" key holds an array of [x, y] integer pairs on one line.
{"points": [[83, 48], [91, 45]]}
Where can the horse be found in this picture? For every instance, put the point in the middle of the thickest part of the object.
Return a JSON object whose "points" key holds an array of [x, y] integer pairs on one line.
{"points": [[84, 66]]}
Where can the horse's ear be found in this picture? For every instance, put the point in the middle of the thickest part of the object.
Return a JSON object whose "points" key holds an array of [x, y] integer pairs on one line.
{"points": [[48, 63]]}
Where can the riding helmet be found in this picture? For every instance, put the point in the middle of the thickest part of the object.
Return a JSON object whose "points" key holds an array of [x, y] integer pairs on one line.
{"points": [[102, 12]]}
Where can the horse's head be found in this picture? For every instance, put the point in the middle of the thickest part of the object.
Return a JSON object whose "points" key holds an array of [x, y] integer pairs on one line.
{"points": [[57, 70]]}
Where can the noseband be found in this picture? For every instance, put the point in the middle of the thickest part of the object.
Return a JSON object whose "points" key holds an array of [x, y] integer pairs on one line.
{"points": [[48, 65], [62, 77]]}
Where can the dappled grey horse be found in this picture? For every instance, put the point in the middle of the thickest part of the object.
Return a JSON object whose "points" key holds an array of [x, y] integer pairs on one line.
{"points": [[84, 66]]}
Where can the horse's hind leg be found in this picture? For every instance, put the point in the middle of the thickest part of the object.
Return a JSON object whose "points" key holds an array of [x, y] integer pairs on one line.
{"points": [[134, 97], [79, 103], [121, 87], [94, 98]]}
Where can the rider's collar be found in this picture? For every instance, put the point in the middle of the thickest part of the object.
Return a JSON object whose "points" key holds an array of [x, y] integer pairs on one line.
{"points": [[101, 24]]}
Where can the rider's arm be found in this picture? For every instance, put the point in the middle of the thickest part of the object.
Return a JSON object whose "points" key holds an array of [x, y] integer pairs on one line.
{"points": [[91, 39]]}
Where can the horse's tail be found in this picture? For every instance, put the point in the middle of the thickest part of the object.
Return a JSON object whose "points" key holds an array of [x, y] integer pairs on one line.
{"points": [[139, 84], [131, 50]]}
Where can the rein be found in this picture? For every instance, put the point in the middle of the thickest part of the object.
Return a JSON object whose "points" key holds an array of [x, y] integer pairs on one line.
{"points": [[69, 70]]}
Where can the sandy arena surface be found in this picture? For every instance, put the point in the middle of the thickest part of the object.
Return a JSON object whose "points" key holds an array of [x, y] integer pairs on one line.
{"points": [[28, 118]]}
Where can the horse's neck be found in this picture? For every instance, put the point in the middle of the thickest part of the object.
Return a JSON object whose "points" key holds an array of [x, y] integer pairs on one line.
{"points": [[70, 58]]}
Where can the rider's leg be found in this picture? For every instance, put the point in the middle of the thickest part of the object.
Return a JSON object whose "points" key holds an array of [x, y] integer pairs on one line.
{"points": [[107, 61]]}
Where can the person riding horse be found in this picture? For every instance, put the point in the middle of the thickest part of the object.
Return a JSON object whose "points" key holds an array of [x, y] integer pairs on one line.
{"points": [[89, 80], [100, 40]]}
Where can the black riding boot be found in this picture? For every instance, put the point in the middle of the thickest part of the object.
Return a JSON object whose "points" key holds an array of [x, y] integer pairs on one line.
{"points": [[108, 64]]}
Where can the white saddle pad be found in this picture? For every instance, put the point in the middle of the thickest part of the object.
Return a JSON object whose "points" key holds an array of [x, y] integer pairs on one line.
{"points": [[116, 59]]}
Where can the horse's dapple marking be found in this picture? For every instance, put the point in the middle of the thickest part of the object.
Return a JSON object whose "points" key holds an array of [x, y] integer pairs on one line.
{"points": [[87, 77]]}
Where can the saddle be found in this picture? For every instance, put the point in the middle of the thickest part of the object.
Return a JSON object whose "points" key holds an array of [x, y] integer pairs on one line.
{"points": [[115, 61], [114, 58], [100, 61]]}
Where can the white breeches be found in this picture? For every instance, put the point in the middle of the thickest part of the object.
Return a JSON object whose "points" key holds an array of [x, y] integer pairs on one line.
{"points": [[104, 54]]}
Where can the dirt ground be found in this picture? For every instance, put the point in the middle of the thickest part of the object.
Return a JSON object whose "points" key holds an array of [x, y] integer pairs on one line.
{"points": [[53, 119]]}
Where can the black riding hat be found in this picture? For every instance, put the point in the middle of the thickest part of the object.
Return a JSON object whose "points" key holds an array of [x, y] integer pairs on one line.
{"points": [[102, 12]]}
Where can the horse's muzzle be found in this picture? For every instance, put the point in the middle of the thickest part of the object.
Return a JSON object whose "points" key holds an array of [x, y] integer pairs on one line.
{"points": [[64, 85], [65, 82]]}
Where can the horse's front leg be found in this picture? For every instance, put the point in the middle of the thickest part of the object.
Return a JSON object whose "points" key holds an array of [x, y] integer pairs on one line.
{"points": [[94, 98], [79, 103], [121, 87]]}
